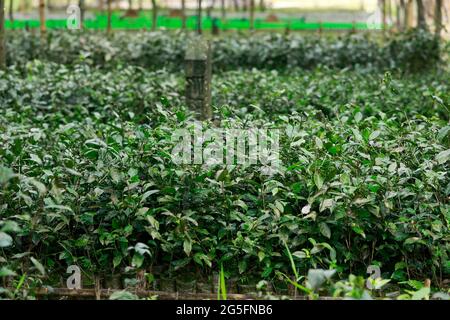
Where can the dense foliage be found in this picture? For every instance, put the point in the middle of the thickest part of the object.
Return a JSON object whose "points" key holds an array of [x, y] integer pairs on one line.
{"points": [[86, 176], [413, 51]]}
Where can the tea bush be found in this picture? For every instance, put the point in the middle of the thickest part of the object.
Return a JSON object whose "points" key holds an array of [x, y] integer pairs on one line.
{"points": [[86, 175], [413, 51]]}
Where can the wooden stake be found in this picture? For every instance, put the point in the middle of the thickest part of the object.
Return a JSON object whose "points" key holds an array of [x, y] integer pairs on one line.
{"points": [[2, 35], [43, 27], [97, 289], [409, 14], [198, 79], [384, 16], [421, 21], [163, 295], [183, 14], [82, 9], [252, 15], [109, 27], [223, 10], [438, 18], [11, 11], [154, 15], [199, 17]]}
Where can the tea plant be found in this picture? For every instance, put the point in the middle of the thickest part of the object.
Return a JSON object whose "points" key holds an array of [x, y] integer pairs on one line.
{"points": [[414, 51], [86, 175]]}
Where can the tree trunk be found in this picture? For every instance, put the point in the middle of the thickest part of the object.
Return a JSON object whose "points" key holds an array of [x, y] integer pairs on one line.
{"points": [[236, 5], [252, 15], [438, 18], [409, 14], [223, 9], [383, 14], [421, 22], [2, 35], [401, 17], [262, 6], [100, 5], [183, 14], [130, 4], [210, 8], [199, 17], [388, 12], [141, 5], [42, 16], [154, 15], [82, 10], [109, 27], [11, 11]]}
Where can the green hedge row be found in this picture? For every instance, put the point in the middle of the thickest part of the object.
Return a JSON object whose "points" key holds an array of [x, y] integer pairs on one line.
{"points": [[413, 51]]}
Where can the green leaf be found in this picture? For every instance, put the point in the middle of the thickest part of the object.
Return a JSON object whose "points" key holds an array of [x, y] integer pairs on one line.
{"points": [[5, 240], [147, 194], [5, 175], [74, 172], [374, 135], [5, 272], [421, 294], [36, 159], [317, 277], [318, 180], [117, 260], [241, 204], [359, 230], [222, 293], [123, 295], [443, 157], [299, 254], [443, 133], [261, 256], [296, 187], [38, 266], [291, 259], [39, 186], [137, 260], [417, 285], [319, 143], [10, 226], [306, 209], [326, 204], [142, 249], [325, 230], [242, 266], [187, 246], [412, 240]]}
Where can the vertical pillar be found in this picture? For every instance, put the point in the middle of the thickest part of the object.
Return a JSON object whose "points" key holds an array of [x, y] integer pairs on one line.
{"points": [[109, 25], [2, 35], [198, 78], [42, 16], [438, 18], [252, 15]]}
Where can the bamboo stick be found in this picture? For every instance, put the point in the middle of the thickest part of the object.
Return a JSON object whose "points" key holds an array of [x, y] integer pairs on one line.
{"points": [[162, 295]]}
